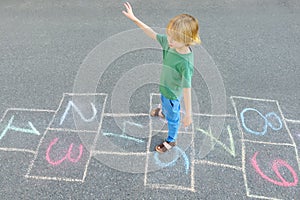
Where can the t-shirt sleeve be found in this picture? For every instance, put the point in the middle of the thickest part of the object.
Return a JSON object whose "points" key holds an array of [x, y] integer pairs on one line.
{"points": [[163, 41], [187, 71]]}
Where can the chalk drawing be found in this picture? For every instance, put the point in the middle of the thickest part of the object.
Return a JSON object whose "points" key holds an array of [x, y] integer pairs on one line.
{"points": [[123, 135], [71, 104], [276, 163], [265, 118], [276, 124], [10, 127], [67, 156], [231, 149], [173, 162]]}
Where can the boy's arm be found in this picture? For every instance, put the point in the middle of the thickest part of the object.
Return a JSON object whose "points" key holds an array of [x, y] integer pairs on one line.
{"points": [[128, 13], [187, 120]]}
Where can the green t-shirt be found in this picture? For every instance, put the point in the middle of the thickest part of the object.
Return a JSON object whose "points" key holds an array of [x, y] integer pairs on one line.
{"points": [[177, 70]]}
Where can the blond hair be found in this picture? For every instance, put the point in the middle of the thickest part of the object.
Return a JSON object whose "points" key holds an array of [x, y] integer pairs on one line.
{"points": [[184, 28]]}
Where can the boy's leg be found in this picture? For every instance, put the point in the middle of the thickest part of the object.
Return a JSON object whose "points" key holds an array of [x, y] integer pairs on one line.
{"points": [[171, 110]]}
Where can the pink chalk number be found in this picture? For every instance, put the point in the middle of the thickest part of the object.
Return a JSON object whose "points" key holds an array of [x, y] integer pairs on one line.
{"points": [[275, 166], [67, 156]]}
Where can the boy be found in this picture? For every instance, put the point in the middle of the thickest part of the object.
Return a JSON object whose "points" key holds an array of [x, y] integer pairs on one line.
{"points": [[177, 71]]}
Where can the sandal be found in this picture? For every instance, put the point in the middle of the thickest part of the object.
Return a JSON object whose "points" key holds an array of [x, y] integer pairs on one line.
{"points": [[165, 146], [157, 112]]}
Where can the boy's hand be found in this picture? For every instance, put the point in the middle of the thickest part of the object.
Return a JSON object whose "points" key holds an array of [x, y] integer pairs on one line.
{"points": [[128, 13], [187, 120]]}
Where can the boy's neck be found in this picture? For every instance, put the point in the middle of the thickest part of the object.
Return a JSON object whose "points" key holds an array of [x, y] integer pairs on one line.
{"points": [[183, 50]]}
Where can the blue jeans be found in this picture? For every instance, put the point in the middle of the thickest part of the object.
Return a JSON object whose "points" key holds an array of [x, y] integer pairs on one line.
{"points": [[171, 110]]}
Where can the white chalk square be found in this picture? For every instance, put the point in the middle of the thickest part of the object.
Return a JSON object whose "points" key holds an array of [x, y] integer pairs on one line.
{"points": [[80, 112], [63, 155], [22, 129]]}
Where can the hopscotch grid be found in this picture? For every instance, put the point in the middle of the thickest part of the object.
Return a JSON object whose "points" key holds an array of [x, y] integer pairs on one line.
{"points": [[200, 162], [96, 137], [160, 186], [243, 146]]}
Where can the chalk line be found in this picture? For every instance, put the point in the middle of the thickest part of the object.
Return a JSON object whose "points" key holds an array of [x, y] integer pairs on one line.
{"points": [[262, 197], [218, 164], [23, 109], [243, 146], [125, 114], [149, 143], [84, 94], [71, 130], [30, 110], [124, 137], [250, 98], [54, 178], [17, 150], [292, 121], [169, 187], [166, 131], [4, 114], [213, 115], [271, 143], [95, 152], [193, 153], [154, 94]]}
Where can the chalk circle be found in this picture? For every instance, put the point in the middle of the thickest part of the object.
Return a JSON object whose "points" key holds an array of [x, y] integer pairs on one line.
{"points": [[109, 50], [278, 119], [266, 122], [179, 153]]}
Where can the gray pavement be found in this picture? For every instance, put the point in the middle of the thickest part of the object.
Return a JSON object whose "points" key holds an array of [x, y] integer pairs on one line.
{"points": [[78, 80]]}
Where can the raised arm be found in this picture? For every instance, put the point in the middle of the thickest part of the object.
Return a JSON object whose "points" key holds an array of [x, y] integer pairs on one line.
{"points": [[129, 13]]}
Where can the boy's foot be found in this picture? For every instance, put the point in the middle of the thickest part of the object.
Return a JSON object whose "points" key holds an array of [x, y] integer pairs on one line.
{"points": [[157, 112], [165, 146]]}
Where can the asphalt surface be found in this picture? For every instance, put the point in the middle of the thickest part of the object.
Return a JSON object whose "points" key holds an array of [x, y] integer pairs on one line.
{"points": [[78, 79]]}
